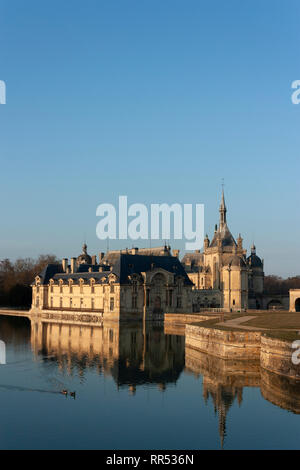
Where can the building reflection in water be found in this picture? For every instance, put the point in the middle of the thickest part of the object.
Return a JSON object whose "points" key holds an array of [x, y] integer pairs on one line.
{"points": [[137, 354], [224, 382], [133, 354]]}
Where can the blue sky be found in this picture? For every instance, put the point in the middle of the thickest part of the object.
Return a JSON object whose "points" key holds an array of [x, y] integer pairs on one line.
{"points": [[156, 100]]}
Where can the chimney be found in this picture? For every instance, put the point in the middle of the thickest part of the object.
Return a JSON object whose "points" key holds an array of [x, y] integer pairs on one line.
{"points": [[94, 260], [73, 265], [65, 264], [134, 251], [101, 256], [176, 253]]}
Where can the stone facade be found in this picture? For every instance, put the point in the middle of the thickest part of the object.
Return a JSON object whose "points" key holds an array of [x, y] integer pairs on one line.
{"points": [[222, 274], [124, 285]]}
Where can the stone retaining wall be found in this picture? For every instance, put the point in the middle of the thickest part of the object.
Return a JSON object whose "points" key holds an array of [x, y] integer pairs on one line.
{"points": [[226, 344], [276, 356]]}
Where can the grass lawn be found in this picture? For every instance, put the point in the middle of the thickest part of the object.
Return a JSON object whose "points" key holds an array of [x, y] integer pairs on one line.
{"points": [[275, 321]]}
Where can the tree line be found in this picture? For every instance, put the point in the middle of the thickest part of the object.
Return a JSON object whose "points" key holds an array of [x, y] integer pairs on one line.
{"points": [[16, 279], [277, 285]]}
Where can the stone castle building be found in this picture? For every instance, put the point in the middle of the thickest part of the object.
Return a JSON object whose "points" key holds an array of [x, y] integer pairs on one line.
{"points": [[223, 275], [146, 283], [128, 284]]}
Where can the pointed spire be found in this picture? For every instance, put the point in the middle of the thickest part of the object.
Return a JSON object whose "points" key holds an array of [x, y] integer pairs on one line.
{"points": [[222, 210]]}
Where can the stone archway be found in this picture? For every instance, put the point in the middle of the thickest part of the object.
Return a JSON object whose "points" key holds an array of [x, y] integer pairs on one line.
{"points": [[297, 305]]}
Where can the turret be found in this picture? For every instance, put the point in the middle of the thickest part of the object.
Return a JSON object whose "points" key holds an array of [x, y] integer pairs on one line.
{"points": [[240, 243], [206, 242]]}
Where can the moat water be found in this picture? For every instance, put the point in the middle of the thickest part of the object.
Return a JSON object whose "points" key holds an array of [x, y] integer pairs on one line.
{"points": [[136, 387]]}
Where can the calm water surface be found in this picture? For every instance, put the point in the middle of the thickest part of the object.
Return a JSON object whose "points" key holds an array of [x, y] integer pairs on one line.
{"points": [[136, 388]]}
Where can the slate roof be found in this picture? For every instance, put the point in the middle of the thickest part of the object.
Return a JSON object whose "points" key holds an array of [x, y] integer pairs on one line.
{"points": [[86, 276], [226, 238], [125, 265], [122, 265], [49, 271], [254, 261]]}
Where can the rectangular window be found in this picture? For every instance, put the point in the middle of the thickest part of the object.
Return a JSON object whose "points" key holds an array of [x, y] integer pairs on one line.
{"points": [[112, 304], [179, 304], [147, 297], [112, 288]]}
